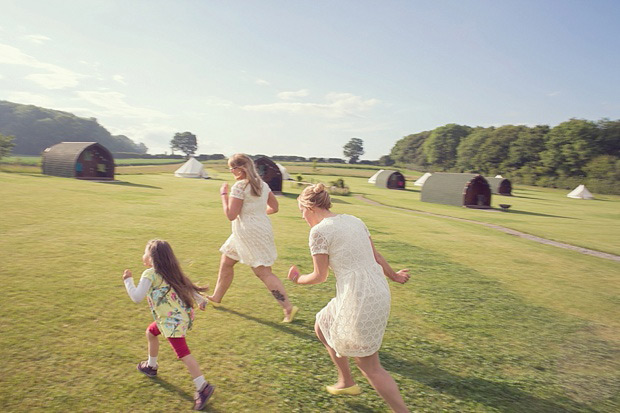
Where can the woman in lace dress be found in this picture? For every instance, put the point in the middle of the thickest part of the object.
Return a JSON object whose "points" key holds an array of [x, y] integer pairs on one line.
{"points": [[352, 324], [251, 241]]}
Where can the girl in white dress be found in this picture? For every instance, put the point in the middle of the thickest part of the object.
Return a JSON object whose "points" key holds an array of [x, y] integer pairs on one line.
{"points": [[352, 324], [251, 241]]}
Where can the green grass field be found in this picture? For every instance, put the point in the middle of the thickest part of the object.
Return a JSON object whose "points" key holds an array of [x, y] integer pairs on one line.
{"points": [[488, 322]]}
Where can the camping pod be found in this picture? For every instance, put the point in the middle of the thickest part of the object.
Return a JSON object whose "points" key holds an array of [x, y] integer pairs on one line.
{"points": [[469, 190], [389, 179], [191, 169], [270, 173], [420, 181], [81, 160], [500, 186]]}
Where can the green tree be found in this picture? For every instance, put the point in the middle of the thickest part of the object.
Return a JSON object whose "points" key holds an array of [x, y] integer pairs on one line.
{"points": [[440, 147], [526, 149], [6, 144], [354, 149], [410, 150], [185, 142], [386, 160], [569, 146]]}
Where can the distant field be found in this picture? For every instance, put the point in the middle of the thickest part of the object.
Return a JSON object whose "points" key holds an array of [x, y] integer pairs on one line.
{"points": [[488, 322]]}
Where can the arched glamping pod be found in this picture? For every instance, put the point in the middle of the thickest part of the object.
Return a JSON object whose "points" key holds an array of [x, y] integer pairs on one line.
{"points": [[469, 190], [500, 186], [389, 179], [270, 173], [82, 160]]}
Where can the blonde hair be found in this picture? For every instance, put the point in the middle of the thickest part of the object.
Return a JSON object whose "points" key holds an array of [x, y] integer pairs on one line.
{"points": [[315, 196], [244, 162], [166, 264]]}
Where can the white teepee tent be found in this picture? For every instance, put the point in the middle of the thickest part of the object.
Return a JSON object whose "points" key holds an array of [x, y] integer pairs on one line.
{"points": [[373, 179], [284, 172], [581, 192], [191, 169], [498, 176], [422, 179]]}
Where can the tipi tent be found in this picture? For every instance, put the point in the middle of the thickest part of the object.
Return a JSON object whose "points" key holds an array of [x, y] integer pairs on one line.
{"points": [[581, 192], [373, 179], [285, 175], [191, 169], [498, 176], [420, 181]]}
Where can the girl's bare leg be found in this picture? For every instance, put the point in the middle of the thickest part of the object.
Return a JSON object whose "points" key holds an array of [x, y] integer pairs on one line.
{"points": [[224, 279], [381, 380], [345, 379], [192, 366], [275, 286], [153, 342]]}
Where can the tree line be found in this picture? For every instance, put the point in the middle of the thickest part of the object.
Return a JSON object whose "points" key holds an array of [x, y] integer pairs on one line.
{"points": [[574, 152], [34, 129]]}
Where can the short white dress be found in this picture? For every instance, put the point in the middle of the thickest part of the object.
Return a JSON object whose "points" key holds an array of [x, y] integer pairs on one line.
{"points": [[251, 241], [354, 321]]}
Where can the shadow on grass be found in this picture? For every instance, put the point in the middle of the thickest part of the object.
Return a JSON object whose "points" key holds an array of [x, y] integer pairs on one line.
{"points": [[171, 388], [286, 328], [124, 183], [500, 396], [516, 211]]}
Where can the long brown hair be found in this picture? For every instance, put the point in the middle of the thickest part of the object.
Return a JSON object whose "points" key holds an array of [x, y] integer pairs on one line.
{"points": [[166, 264], [244, 162]]}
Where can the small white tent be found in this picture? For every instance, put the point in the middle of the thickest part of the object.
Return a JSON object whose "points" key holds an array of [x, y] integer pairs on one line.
{"points": [[581, 192], [284, 172], [373, 179], [498, 176], [191, 169], [422, 179]]}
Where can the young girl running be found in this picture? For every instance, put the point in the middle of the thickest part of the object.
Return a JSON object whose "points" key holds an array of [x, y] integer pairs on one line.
{"points": [[251, 241], [171, 296]]}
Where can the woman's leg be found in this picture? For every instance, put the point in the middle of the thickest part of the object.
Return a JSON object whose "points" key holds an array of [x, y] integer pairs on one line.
{"points": [[381, 380], [273, 284], [342, 363], [224, 279]]}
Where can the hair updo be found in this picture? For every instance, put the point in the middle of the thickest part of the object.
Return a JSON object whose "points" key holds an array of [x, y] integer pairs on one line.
{"points": [[315, 196]]}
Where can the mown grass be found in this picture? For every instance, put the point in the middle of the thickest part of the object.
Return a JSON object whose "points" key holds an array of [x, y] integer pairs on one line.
{"points": [[487, 323]]}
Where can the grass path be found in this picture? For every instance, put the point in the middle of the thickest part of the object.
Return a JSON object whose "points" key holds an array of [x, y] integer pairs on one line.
{"points": [[509, 231]]}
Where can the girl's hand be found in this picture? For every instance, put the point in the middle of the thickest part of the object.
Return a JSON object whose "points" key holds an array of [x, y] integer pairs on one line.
{"points": [[401, 276], [293, 274], [126, 274], [224, 189], [203, 304]]}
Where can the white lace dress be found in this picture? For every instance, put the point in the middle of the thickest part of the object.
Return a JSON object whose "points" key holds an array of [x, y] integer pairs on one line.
{"points": [[354, 321], [251, 241]]}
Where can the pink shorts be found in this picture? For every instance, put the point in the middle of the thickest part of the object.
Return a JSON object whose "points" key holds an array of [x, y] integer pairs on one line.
{"points": [[179, 345]]}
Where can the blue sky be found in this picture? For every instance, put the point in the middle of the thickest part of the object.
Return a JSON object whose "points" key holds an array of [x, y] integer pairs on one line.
{"points": [[282, 77]]}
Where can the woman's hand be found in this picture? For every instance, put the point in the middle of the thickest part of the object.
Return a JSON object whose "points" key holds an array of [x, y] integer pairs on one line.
{"points": [[293, 274], [401, 276], [203, 304], [127, 274], [224, 189]]}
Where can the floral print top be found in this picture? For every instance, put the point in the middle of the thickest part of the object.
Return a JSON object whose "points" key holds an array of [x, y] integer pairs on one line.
{"points": [[172, 316]]}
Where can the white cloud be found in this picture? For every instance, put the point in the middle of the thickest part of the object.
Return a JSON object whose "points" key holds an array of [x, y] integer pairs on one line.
{"points": [[56, 77], [113, 104], [552, 94], [120, 79], [262, 82], [337, 105], [38, 38], [290, 95]]}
